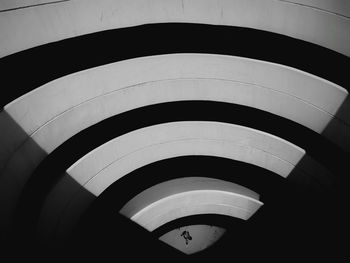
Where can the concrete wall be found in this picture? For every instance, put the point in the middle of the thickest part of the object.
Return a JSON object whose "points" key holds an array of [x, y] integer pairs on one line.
{"points": [[319, 22], [116, 158], [10, 5], [166, 201], [178, 185], [194, 203]]}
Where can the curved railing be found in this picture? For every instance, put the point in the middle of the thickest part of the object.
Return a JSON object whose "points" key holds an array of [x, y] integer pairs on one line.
{"points": [[322, 23], [162, 203]]}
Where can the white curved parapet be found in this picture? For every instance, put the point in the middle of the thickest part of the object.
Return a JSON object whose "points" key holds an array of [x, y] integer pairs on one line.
{"points": [[77, 101], [322, 23], [67, 93], [193, 203], [179, 185], [120, 156], [182, 197]]}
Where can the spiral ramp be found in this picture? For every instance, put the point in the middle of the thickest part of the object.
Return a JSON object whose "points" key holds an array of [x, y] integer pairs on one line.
{"points": [[201, 129]]}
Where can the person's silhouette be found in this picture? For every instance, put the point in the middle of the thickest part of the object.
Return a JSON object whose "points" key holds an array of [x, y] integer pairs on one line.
{"points": [[186, 235]]}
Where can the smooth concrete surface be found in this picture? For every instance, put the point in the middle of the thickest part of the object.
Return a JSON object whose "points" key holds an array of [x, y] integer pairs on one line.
{"points": [[182, 197], [84, 115], [114, 159], [195, 203], [186, 147], [341, 7], [68, 92], [62, 209], [320, 23], [184, 184], [194, 238], [11, 137], [10, 5]]}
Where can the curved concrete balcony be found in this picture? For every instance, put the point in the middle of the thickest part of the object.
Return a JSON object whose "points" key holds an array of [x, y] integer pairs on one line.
{"points": [[25, 25], [167, 201]]}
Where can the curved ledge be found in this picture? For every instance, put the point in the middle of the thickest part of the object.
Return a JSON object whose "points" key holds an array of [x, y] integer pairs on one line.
{"points": [[80, 100], [182, 197], [51, 134], [112, 160], [192, 203], [65, 93], [48, 23], [184, 184]]}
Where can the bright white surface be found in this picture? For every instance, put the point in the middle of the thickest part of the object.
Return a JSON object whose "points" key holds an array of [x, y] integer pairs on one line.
{"points": [[182, 197], [341, 7], [118, 157], [181, 185], [194, 203], [202, 237], [29, 27], [80, 100]]}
